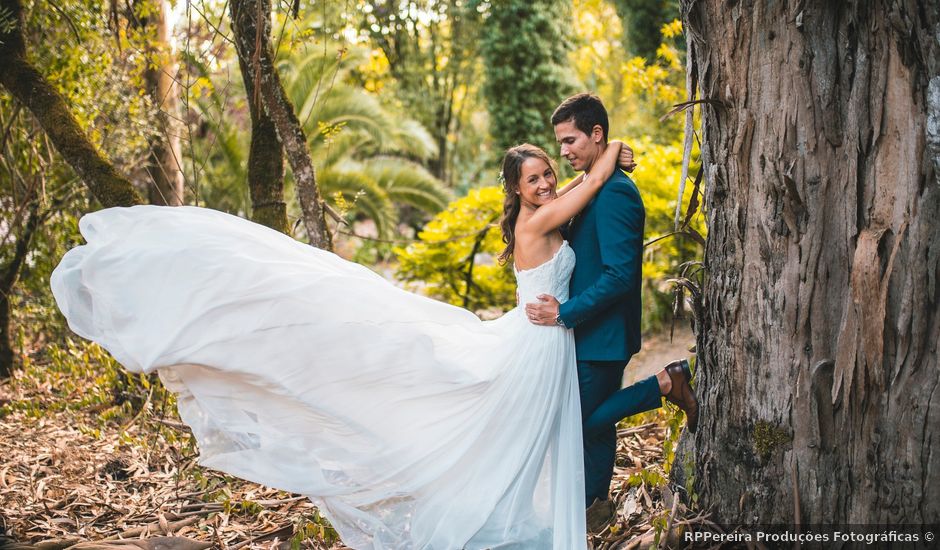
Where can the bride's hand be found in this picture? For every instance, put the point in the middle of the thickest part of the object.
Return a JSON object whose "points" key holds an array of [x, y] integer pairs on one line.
{"points": [[625, 160]]}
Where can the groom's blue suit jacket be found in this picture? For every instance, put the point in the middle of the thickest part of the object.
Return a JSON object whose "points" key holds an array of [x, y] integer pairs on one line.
{"points": [[604, 307]]}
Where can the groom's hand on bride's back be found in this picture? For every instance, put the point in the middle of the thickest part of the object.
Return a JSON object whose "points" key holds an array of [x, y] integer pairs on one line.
{"points": [[544, 312], [625, 160]]}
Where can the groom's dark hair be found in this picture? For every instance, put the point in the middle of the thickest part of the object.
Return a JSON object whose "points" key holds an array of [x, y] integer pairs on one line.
{"points": [[586, 110]]}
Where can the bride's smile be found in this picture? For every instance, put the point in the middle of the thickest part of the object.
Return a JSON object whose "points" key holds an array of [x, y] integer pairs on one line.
{"points": [[537, 183]]}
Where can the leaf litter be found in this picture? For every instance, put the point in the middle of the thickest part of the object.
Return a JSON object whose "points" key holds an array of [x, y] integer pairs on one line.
{"points": [[69, 479]]}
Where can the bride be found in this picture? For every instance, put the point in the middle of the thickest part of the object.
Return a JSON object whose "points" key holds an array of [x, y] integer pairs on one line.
{"points": [[409, 422]]}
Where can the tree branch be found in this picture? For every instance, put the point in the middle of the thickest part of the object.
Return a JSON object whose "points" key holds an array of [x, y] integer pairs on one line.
{"points": [[31, 89], [257, 48]]}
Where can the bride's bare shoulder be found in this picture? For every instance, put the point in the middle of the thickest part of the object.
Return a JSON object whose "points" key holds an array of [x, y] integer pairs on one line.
{"points": [[532, 250]]}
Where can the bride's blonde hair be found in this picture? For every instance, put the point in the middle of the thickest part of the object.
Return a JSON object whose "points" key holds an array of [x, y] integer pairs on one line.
{"points": [[509, 175]]}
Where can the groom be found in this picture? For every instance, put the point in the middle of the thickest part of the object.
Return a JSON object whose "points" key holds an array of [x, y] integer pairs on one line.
{"points": [[604, 308]]}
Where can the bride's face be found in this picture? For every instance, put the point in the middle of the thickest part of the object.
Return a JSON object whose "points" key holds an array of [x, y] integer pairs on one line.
{"points": [[537, 182]]}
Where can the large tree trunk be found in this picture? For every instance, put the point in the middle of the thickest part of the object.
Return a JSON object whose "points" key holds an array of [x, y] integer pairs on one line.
{"points": [[255, 50], [8, 277], [266, 156], [31, 89], [165, 164], [818, 350]]}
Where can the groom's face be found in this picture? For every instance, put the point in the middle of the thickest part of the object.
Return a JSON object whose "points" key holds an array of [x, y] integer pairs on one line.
{"points": [[578, 148]]}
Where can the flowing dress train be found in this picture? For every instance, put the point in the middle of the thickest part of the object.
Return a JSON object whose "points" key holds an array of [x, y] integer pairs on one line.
{"points": [[411, 423]]}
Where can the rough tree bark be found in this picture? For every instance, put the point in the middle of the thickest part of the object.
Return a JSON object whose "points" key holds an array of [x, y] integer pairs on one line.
{"points": [[818, 360], [266, 155], [255, 50], [9, 274], [31, 89], [166, 154]]}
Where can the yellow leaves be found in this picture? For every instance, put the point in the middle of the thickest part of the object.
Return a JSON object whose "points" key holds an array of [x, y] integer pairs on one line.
{"points": [[464, 214], [671, 29], [341, 204], [596, 21], [201, 87], [656, 82], [657, 176], [670, 55], [636, 91], [374, 71], [329, 131], [597, 54], [460, 243]]}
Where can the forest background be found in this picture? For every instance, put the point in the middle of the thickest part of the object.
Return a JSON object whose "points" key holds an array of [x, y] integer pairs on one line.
{"points": [[406, 108], [375, 129], [407, 114]]}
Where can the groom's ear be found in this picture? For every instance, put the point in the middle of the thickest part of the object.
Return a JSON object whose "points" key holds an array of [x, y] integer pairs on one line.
{"points": [[597, 133]]}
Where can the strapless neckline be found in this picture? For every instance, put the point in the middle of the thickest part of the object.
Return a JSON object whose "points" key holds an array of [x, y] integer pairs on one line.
{"points": [[555, 255]]}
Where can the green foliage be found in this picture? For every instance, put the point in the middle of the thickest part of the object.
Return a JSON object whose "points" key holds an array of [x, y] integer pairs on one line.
{"points": [[81, 376], [426, 62], [768, 437], [636, 90], [74, 48], [659, 522], [241, 507], [527, 76], [368, 155], [455, 259], [101, 83], [647, 477], [312, 526], [642, 21], [7, 21], [376, 186]]}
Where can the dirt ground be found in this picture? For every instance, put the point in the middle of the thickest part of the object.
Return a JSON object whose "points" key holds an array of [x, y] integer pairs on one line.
{"points": [[658, 350]]}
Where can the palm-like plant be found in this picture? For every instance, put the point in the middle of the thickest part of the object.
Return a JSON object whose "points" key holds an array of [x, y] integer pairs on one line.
{"points": [[368, 154], [216, 160]]}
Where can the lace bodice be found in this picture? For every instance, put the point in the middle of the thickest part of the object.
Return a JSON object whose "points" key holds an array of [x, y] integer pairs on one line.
{"points": [[549, 278]]}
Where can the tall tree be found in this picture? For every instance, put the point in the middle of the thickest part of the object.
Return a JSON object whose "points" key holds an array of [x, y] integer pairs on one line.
{"points": [[165, 162], [9, 273], [255, 50], [31, 88], [525, 51], [818, 347], [266, 154]]}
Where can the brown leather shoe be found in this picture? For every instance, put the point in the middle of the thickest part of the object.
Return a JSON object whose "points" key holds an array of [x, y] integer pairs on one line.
{"points": [[599, 514], [681, 393]]}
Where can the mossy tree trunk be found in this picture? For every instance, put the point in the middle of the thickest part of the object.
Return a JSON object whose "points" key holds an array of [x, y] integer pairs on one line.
{"points": [[266, 155], [31, 89], [9, 274], [819, 372], [254, 50]]}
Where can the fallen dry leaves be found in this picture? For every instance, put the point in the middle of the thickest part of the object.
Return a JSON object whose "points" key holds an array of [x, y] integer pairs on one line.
{"points": [[68, 478]]}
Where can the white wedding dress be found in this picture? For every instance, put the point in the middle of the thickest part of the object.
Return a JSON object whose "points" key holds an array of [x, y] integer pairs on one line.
{"points": [[409, 422]]}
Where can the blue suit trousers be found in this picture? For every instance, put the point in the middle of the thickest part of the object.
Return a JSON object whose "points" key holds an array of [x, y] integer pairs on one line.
{"points": [[603, 404]]}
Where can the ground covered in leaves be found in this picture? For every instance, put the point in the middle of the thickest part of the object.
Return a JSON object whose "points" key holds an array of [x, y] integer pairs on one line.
{"points": [[90, 456]]}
